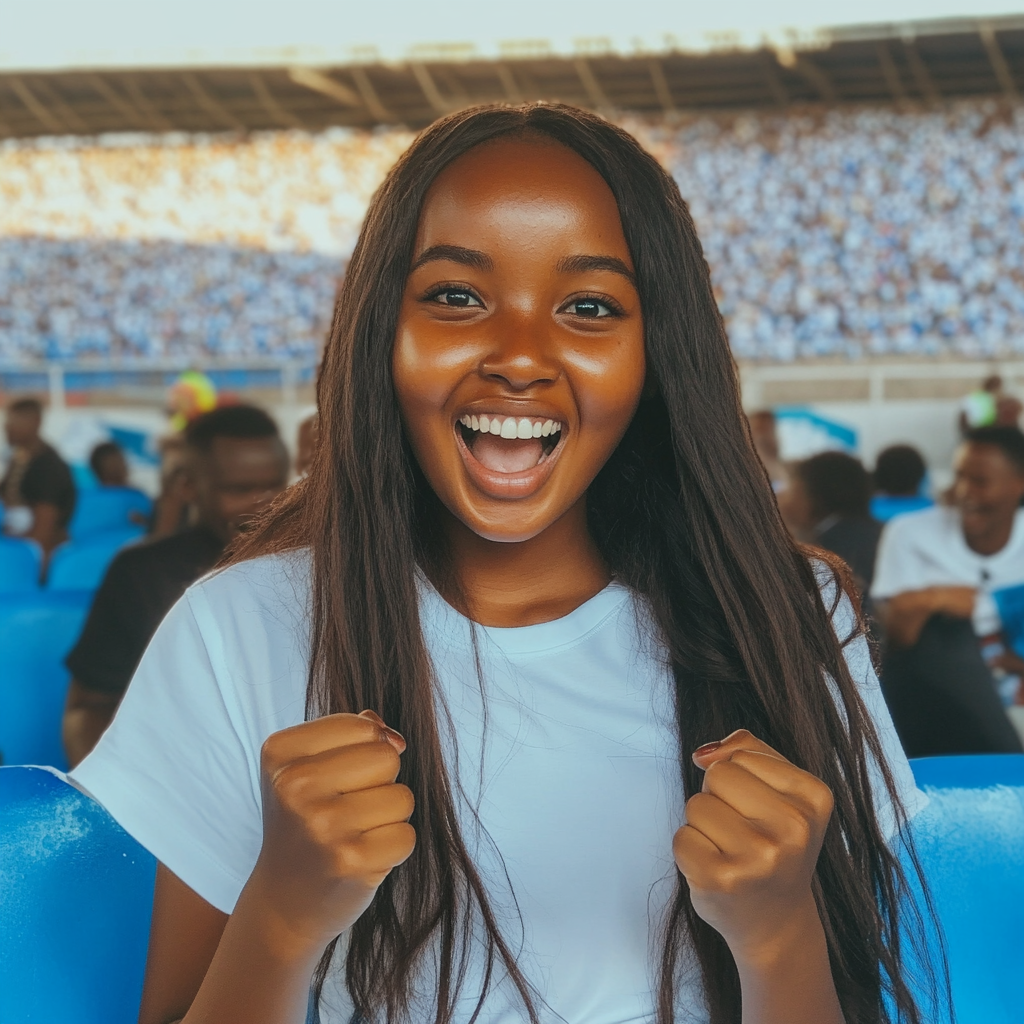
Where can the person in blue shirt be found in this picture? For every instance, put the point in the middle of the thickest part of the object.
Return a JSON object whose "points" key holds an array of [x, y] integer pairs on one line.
{"points": [[899, 478]]}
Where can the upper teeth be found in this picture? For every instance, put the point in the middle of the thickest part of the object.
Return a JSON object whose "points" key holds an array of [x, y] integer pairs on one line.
{"points": [[509, 426]]}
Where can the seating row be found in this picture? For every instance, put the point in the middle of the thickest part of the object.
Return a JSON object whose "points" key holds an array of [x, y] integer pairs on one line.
{"points": [[37, 630], [76, 565], [77, 891], [98, 509]]}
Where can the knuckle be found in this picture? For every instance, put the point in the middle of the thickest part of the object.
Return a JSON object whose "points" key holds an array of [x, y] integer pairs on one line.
{"points": [[291, 784], [269, 754], [768, 858], [729, 880], [406, 838], [794, 830], [822, 800], [406, 798], [349, 860], [389, 757]]}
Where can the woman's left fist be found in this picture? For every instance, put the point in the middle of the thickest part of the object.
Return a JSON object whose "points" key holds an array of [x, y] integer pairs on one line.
{"points": [[751, 842]]}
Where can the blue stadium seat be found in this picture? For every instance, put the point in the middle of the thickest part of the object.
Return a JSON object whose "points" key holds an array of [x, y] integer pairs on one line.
{"points": [[99, 509], [971, 843], [884, 507], [36, 632], [20, 564], [76, 892], [80, 565]]}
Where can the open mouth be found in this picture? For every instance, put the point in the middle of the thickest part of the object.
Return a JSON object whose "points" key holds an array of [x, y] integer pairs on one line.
{"points": [[509, 444]]}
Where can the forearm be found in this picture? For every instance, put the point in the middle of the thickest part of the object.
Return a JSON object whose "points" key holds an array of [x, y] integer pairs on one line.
{"points": [[904, 616], [260, 973], [46, 531], [791, 982]]}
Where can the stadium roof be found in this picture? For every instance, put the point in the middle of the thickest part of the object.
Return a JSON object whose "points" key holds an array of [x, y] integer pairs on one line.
{"points": [[921, 63]]}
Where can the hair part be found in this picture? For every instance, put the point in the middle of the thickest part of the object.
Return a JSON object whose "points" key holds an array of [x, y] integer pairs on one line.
{"points": [[684, 515]]}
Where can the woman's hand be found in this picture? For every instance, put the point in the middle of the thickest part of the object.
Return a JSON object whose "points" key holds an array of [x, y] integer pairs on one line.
{"points": [[335, 823], [750, 844]]}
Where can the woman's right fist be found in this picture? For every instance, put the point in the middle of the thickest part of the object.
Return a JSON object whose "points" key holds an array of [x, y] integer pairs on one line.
{"points": [[335, 822]]}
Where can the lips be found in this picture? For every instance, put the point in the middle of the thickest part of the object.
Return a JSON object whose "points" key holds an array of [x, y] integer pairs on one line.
{"points": [[508, 457]]}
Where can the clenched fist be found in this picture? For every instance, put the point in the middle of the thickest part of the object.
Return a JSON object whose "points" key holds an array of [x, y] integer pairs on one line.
{"points": [[751, 841], [335, 822]]}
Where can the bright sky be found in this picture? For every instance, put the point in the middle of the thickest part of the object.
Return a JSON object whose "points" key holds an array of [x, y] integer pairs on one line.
{"points": [[123, 33]]}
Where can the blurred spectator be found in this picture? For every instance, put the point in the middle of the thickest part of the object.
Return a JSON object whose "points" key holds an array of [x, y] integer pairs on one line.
{"points": [[766, 442], [826, 504], [899, 477], [171, 508], [948, 591], [308, 430], [990, 406], [853, 232], [192, 394], [978, 408], [236, 463], [109, 465], [38, 490]]}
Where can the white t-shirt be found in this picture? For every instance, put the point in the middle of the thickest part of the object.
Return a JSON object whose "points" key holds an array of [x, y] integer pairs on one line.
{"points": [[927, 549], [577, 787]]}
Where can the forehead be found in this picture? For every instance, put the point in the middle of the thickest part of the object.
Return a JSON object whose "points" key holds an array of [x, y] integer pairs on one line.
{"points": [[239, 456], [985, 458], [513, 188]]}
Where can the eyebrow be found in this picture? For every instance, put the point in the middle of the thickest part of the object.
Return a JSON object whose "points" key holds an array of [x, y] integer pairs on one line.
{"points": [[455, 254], [581, 264]]}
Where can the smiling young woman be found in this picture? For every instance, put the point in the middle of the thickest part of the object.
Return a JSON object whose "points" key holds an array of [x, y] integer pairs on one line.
{"points": [[438, 738]]}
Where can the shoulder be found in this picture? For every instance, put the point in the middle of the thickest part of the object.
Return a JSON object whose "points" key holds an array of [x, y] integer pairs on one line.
{"points": [[270, 588], [924, 523], [49, 457]]}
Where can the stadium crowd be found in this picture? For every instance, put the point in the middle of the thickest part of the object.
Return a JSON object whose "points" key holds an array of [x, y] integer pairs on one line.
{"points": [[848, 233], [858, 233]]}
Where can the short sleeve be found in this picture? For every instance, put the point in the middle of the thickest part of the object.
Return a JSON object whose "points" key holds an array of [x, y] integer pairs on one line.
{"points": [[48, 481], [175, 770], [114, 638], [862, 671], [897, 565]]}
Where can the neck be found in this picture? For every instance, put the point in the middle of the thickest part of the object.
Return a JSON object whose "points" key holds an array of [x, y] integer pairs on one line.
{"points": [[533, 581], [991, 539]]}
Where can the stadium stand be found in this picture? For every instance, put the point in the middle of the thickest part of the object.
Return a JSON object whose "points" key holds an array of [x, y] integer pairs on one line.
{"points": [[845, 232]]}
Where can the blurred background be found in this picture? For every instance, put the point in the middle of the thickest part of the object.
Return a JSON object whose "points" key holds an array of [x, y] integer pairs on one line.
{"points": [[181, 185]]}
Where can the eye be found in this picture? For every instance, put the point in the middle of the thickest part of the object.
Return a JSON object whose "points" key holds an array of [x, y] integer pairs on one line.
{"points": [[589, 309], [455, 297]]}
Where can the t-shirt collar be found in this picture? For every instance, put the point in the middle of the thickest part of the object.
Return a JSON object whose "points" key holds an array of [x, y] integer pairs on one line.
{"points": [[439, 617]]}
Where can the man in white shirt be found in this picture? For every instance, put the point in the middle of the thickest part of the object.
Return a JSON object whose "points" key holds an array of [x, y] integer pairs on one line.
{"points": [[947, 588]]}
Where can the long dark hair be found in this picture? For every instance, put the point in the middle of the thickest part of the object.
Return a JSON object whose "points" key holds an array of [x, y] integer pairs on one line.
{"points": [[683, 514]]}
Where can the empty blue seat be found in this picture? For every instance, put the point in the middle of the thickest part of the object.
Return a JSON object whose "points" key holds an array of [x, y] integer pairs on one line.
{"points": [[971, 843], [36, 632], [99, 509], [76, 892], [20, 564], [81, 564]]}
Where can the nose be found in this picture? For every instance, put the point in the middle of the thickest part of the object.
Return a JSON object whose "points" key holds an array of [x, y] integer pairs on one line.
{"points": [[520, 356]]}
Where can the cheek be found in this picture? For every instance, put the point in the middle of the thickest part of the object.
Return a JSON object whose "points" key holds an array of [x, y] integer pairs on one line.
{"points": [[608, 385], [426, 365]]}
